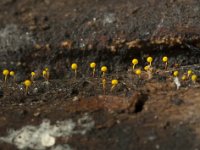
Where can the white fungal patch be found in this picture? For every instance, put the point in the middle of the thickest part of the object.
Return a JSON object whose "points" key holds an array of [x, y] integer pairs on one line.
{"points": [[177, 82], [109, 18], [44, 135]]}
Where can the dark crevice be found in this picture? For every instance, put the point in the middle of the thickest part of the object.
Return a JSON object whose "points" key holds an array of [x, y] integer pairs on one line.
{"points": [[140, 103]]}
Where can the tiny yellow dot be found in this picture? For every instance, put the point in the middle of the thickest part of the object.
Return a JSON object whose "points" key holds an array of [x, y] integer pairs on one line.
{"points": [[44, 72], [12, 73], [27, 83], [104, 69], [165, 59], [146, 68], [149, 59], [114, 82], [138, 72], [135, 61], [33, 74], [184, 77], [175, 73], [194, 77], [46, 69], [5, 72], [74, 66], [92, 65], [189, 72]]}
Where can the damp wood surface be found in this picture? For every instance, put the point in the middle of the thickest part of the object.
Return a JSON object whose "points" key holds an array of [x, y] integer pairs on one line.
{"points": [[139, 114]]}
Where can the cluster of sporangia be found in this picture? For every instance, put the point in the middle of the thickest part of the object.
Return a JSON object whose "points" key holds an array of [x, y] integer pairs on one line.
{"points": [[114, 82]]}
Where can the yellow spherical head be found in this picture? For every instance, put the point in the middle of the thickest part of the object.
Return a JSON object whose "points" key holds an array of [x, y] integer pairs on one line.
{"points": [[74, 66], [33, 74], [135, 61], [12, 73], [27, 83], [175, 73], [138, 72], [146, 68], [189, 72], [103, 68], [44, 72], [184, 77], [92, 65], [5, 72], [149, 59], [194, 77], [114, 82], [165, 59], [46, 69]]}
